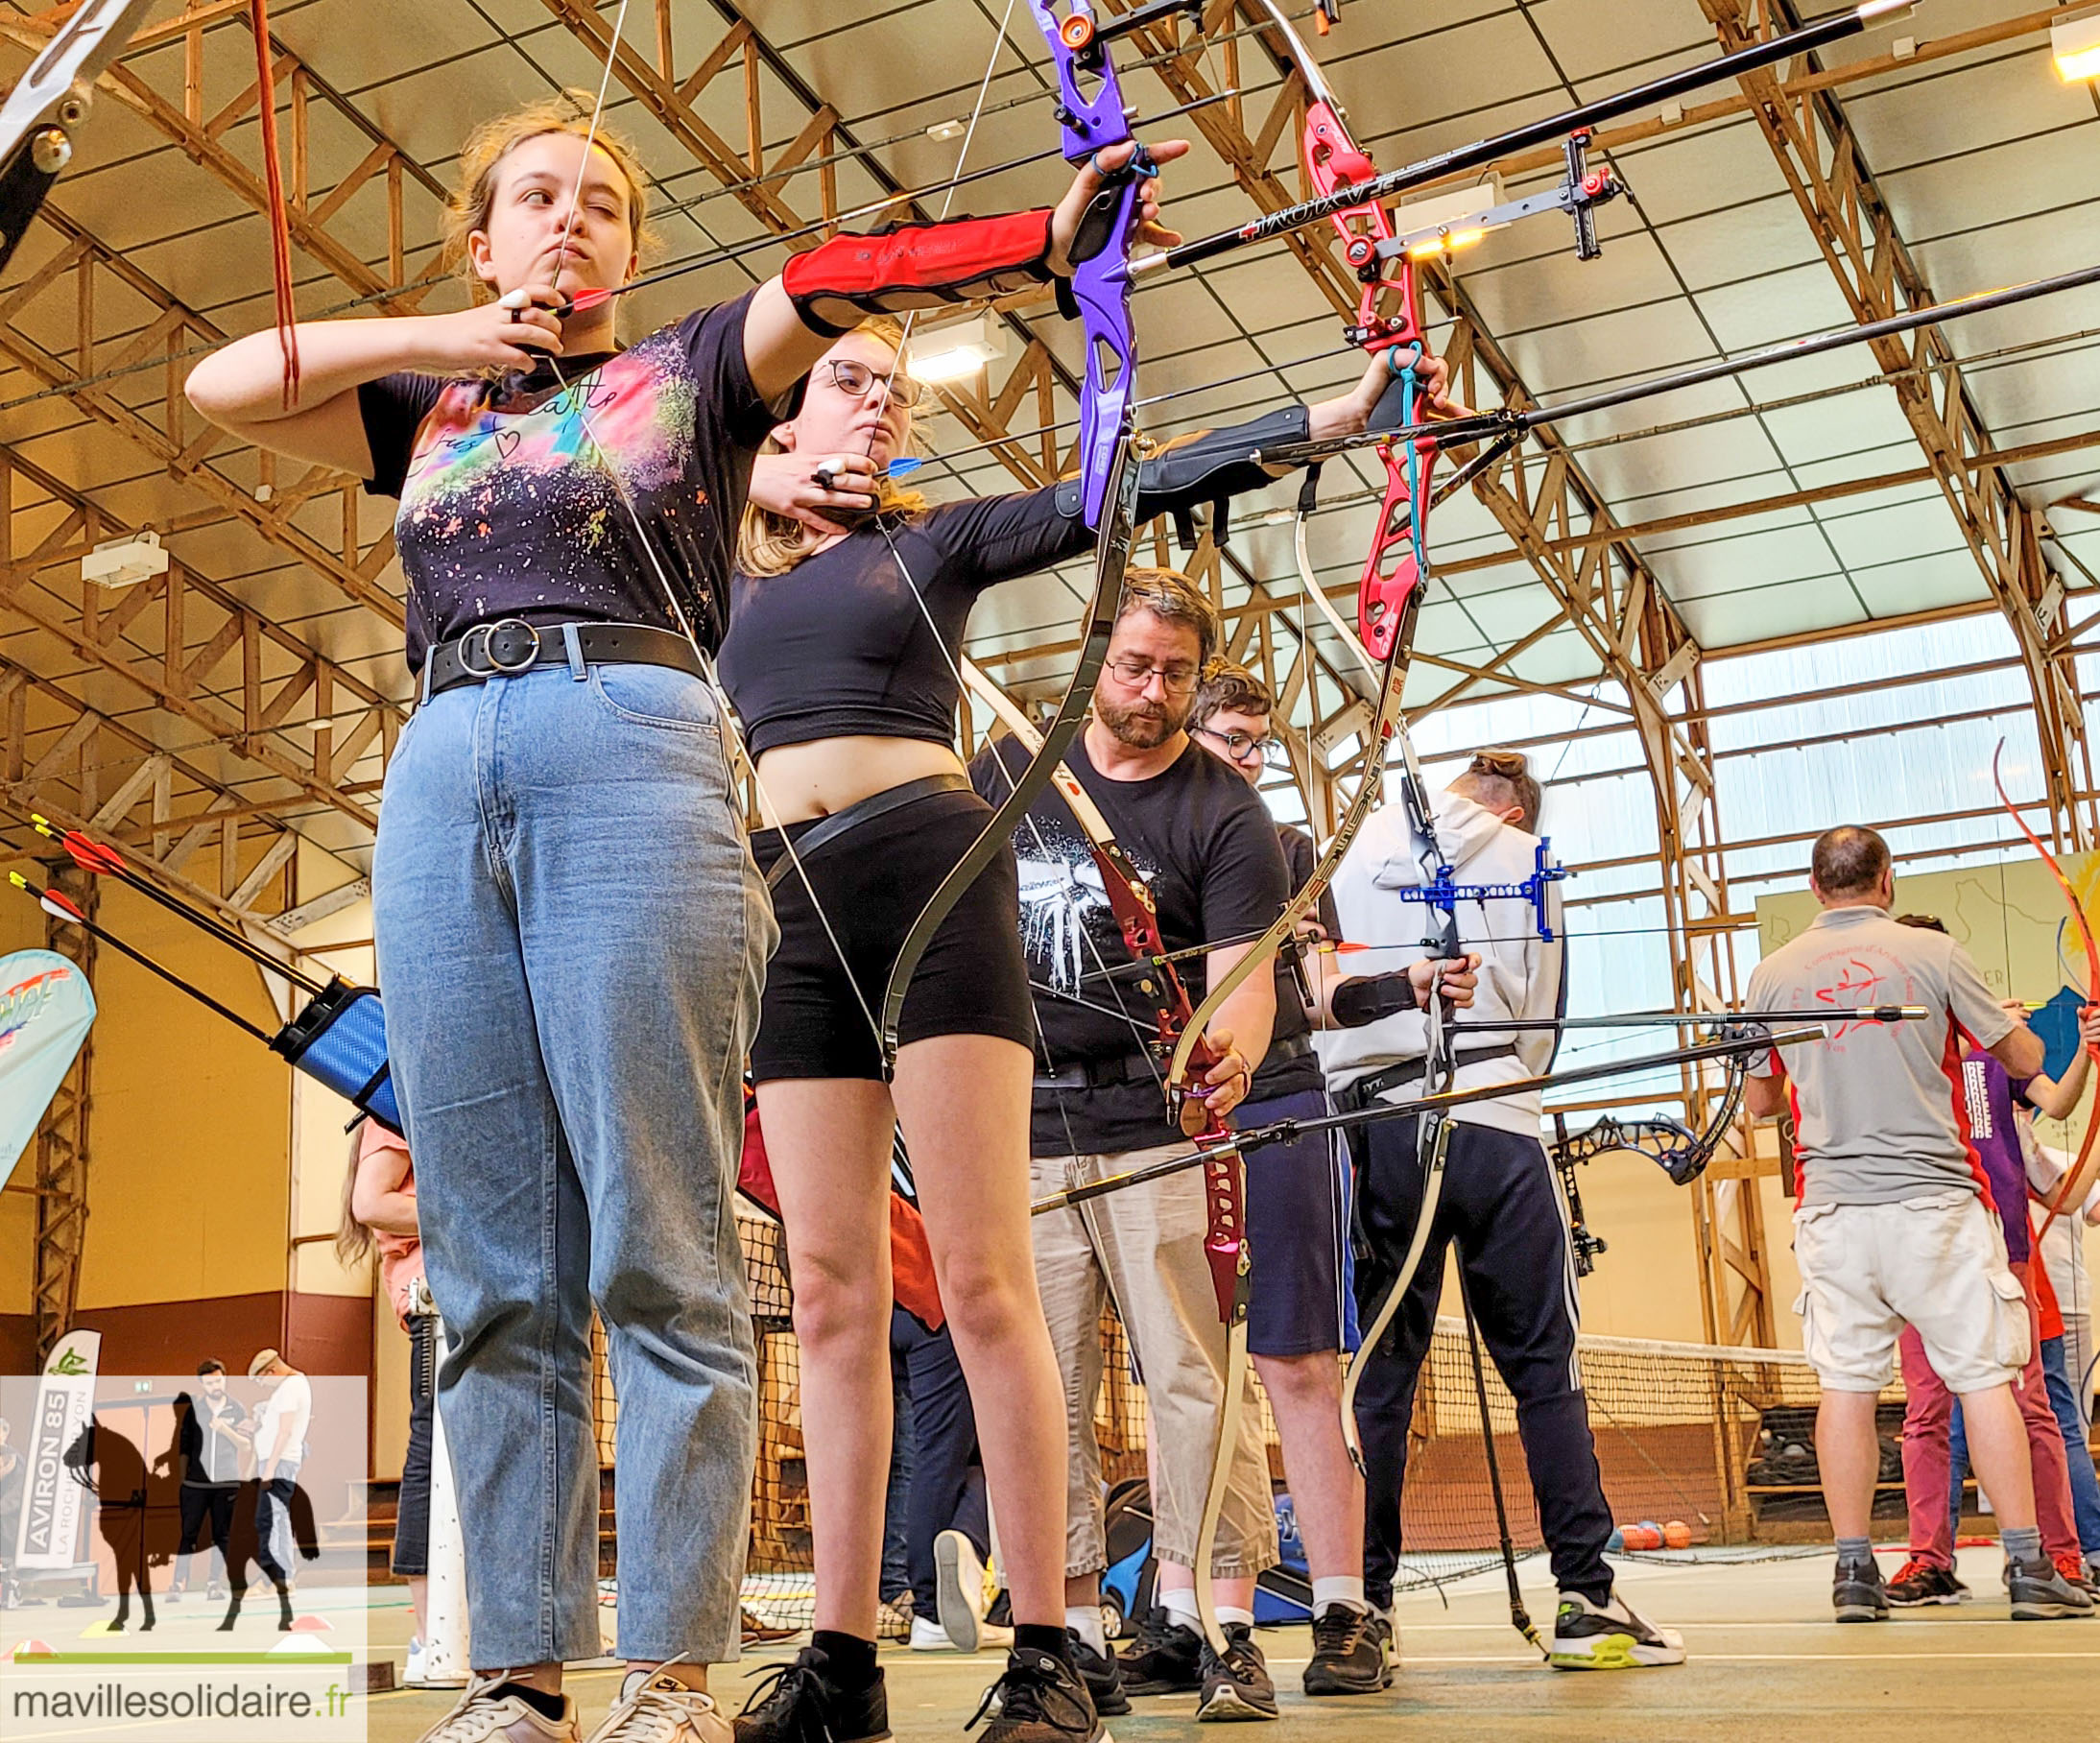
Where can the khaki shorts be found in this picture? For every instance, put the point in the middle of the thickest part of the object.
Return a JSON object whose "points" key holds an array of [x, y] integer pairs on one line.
{"points": [[1936, 1262], [1141, 1252]]}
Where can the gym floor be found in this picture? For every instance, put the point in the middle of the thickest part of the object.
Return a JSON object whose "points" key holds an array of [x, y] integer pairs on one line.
{"points": [[1765, 1661]]}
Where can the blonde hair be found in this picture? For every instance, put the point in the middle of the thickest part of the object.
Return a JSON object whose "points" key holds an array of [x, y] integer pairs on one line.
{"points": [[473, 200], [769, 545], [352, 1239]]}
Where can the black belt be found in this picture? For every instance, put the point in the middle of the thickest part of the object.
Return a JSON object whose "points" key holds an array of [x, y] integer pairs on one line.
{"points": [[1108, 1073], [1367, 1089], [1291, 1046], [830, 828], [510, 646], [1101, 1074]]}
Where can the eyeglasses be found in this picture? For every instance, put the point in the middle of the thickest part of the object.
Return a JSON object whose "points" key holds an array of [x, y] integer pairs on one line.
{"points": [[1174, 681], [1241, 747], [857, 378]]}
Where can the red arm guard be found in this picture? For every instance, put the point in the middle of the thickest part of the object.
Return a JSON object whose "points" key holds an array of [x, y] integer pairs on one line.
{"points": [[917, 266]]}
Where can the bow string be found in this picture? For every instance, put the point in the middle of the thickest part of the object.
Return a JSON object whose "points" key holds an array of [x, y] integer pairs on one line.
{"points": [[2079, 1180]]}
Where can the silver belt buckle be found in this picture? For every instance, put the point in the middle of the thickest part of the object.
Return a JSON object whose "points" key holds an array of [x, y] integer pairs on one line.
{"points": [[496, 667]]}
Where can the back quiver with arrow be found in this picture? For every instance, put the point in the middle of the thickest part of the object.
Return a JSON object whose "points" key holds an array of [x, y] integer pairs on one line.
{"points": [[338, 1038]]}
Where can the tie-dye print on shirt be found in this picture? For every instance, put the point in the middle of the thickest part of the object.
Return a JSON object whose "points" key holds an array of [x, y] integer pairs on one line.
{"points": [[511, 504]]}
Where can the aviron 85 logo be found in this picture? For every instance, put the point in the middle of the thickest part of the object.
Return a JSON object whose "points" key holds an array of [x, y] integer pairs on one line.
{"points": [[21, 1004]]}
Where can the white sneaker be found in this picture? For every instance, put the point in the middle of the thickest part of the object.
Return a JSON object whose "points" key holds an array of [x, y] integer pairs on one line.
{"points": [[412, 1673], [658, 1709], [1609, 1636], [928, 1635], [480, 1718], [960, 1590]]}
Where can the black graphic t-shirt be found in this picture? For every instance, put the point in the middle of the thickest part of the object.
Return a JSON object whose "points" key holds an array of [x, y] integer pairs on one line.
{"points": [[1201, 837], [508, 505], [1282, 1074]]}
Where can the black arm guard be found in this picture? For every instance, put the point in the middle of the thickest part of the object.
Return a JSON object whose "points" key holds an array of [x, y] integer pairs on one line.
{"points": [[1211, 467], [1365, 998]]}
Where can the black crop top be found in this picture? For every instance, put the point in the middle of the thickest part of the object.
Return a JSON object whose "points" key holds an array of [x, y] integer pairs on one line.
{"points": [[838, 647]]}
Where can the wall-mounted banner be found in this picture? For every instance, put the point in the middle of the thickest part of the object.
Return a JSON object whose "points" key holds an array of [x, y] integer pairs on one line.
{"points": [[45, 1009]]}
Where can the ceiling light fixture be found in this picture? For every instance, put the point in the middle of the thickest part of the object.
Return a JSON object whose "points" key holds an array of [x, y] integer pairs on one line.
{"points": [[2075, 42], [1444, 223], [956, 351], [120, 563]]}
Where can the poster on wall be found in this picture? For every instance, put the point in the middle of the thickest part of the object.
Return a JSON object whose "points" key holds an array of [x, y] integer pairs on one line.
{"points": [[45, 1009]]}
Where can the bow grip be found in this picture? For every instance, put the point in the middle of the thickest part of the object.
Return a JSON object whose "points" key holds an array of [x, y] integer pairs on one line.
{"points": [[1224, 1239], [1391, 570], [1106, 214]]}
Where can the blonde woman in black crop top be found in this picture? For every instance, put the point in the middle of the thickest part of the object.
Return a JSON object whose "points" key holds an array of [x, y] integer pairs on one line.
{"points": [[845, 633]]}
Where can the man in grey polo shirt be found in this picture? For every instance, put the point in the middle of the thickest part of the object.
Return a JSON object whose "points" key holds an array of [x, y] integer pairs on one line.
{"points": [[1891, 1227]]}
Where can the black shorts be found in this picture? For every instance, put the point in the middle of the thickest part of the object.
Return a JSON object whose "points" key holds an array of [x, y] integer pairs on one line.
{"points": [[873, 880], [1302, 1299]]}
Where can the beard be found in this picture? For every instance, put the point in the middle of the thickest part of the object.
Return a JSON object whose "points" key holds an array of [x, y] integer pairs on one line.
{"points": [[1146, 727]]}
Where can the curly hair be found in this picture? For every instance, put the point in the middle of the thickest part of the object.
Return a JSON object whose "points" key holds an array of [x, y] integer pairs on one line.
{"points": [[1228, 685]]}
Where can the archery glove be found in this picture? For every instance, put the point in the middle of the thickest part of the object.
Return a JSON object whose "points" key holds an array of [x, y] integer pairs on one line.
{"points": [[1211, 467], [1365, 998]]}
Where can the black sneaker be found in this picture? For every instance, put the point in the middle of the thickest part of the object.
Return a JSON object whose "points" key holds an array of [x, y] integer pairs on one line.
{"points": [[1348, 1653], [1098, 1670], [1237, 1684], [1039, 1699], [1922, 1583], [796, 1702], [2041, 1594], [1858, 1593], [1166, 1660]]}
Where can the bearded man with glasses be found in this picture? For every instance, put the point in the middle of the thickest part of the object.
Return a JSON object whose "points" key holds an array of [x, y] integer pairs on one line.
{"points": [[1205, 843]]}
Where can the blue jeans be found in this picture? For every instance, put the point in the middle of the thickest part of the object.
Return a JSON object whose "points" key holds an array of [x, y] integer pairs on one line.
{"points": [[571, 940], [2077, 1454]]}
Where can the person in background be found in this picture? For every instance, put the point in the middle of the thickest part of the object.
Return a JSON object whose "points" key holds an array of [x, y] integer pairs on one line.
{"points": [[2063, 1248], [941, 1444], [379, 1215], [1500, 1205], [1894, 1224], [1301, 1313], [11, 1514], [280, 1450], [1206, 846], [215, 1436], [1996, 1108], [2059, 1281]]}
